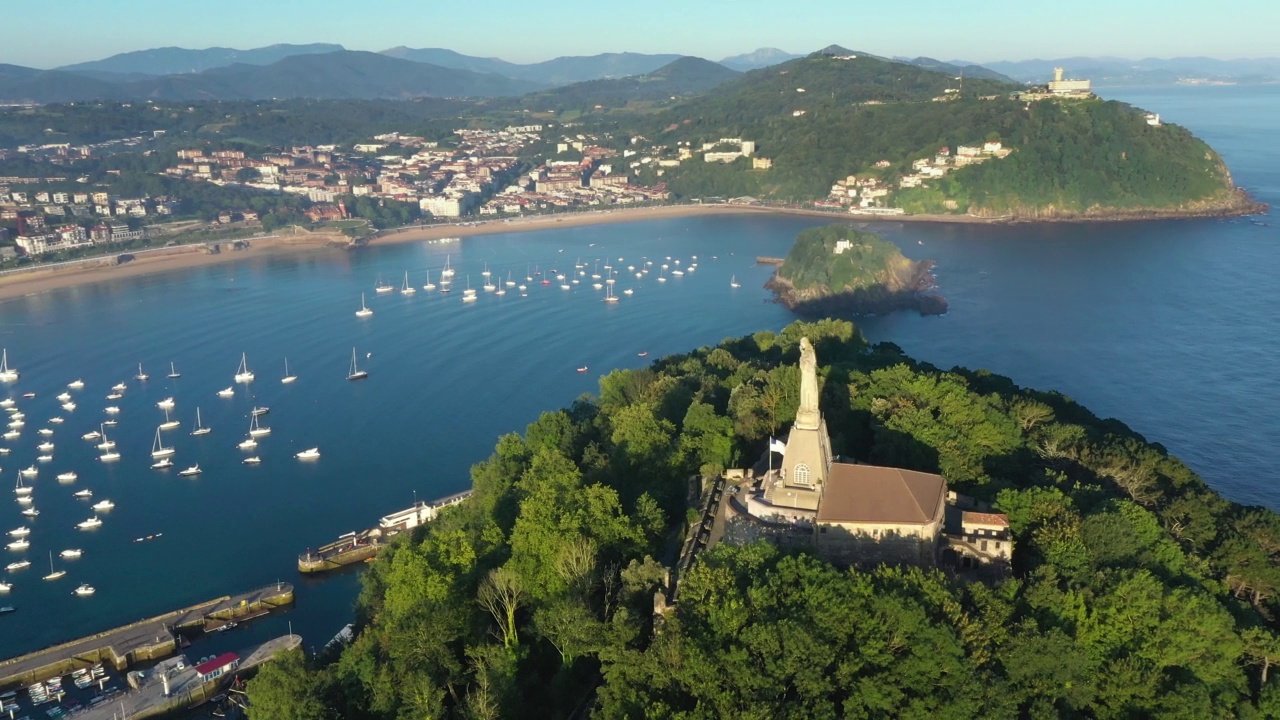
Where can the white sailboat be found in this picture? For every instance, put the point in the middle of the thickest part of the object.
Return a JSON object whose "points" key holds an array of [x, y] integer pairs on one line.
{"points": [[243, 374], [609, 297], [380, 287], [510, 282], [20, 489], [255, 430], [173, 371], [168, 424], [469, 295], [7, 374], [733, 282], [158, 450], [486, 272], [287, 377], [406, 288], [141, 375], [488, 284], [430, 285], [200, 429], [356, 373], [447, 272], [53, 574], [364, 310]]}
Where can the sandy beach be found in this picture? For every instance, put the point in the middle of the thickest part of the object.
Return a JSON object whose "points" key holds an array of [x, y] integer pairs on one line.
{"points": [[18, 284]]}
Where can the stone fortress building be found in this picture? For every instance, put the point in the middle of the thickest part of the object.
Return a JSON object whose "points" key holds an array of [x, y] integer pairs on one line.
{"points": [[856, 514]]}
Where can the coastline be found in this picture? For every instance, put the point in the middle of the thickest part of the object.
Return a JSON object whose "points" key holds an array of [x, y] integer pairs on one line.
{"points": [[183, 257]]}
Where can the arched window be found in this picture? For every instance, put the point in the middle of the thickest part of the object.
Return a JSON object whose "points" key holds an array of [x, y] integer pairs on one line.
{"points": [[802, 474]]}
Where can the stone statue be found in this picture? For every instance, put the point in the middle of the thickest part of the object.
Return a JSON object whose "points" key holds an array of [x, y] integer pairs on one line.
{"points": [[808, 416]]}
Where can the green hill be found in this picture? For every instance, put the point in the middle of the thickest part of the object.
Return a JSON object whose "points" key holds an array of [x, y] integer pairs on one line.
{"points": [[678, 80]]}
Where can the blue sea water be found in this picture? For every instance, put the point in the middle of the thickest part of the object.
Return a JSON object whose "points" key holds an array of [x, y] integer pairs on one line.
{"points": [[1165, 325]]}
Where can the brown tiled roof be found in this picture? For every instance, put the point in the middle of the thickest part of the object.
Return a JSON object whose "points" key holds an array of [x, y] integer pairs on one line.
{"points": [[870, 494], [981, 518]]}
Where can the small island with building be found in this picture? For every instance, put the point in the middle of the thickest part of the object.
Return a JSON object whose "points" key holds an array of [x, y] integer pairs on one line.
{"points": [[838, 271]]}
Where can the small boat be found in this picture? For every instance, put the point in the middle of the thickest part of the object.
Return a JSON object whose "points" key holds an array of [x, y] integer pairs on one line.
{"points": [[31, 512], [566, 286], [200, 429], [63, 397], [89, 524], [162, 464], [44, 458], [76, 384], [583, 369], [21, 490], [115, 396], [308, 454], [165, 404], [380, 287], [407, 289], [141, 375], [189, 472], [259, 411], [12, 435], [168, 424], [19, 544], [19, 565], [110, 422], [107, 443], [158, 450], [45, 431], [609, 297], [447, 272], [224, 628], [429, 286], [69, 406], [4, 451], [45, 446], [226, 392], [55, 420], [113, 410], [252, 460], [173, 372], [287, 377], [67, 477], [119, 387], [486, 272], [5, 587], [84, 494], [243, 373], [110, 456], [28, 395], [355, 373], [628, 291], [29, 472], [509, 282], [20, 532], [255, 430], [733, 282], [17, 423], [248, 444], [71, 554], [7, 374], [103, 505], [85, 590], [91, 435], [364, 310], [25, 499], [53, 574]]}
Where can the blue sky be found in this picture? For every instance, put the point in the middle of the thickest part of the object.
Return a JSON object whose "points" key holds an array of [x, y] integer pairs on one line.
{"points": [[58, 32]]}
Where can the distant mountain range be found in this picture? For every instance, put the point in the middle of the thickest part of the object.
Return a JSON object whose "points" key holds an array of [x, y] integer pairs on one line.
{"points": [[558, 71], [176, 60], [678, 79], [1148, 71], [756, 59]]}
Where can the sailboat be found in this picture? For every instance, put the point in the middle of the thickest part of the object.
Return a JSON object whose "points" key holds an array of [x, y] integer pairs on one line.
{"points": [[733, 282], [141, 375], [168, 424], [287, 377], [430, 285], [447, 272], [486, 272], [158, 450], [243, 374], [364, 310], [380, 288], [173, 371], [200, 429], [7, 374], [407, 289], [609, 297], [468, 295], [488, 283], [21, 489], [53, 574], [510, 282], [254, 429], [356, 373]]}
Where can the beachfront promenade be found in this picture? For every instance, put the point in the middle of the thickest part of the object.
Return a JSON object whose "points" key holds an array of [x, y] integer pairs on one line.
{"points": [[143, 640]]}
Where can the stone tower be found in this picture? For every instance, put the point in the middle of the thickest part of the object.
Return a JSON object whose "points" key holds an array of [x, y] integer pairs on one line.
{"points": [[807, 459]]}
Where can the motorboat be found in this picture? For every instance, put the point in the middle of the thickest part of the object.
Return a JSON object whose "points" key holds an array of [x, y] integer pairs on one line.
{"points": [[287, 377], [628, 291], [85, 590], [109, 456], [243, 373], [355, 373], [5, 587], [252, 460], [102, 505], [67, 477], [45, 431], [31, 512], [115, 396], [226, 392], [110, 422], [89, 524], [162, 464], [158, 450], [583, 369], [55, 420], [189, 472], [69, 406], [20, 532], [248, 444], [76, 384], [364, 310], [407, 289], [19, 544], [45, 447], [71, 554], [4, 451], [12, 435], [165, 404], [7, 403], [91, 435], [63, 397], [173, 372], [119, 387], [259, 410], [25, 499], [7, 374], [44, 458], [86, 493], [308, 454], [111, 410], [29, 472], [141, 376], [19, 565]]}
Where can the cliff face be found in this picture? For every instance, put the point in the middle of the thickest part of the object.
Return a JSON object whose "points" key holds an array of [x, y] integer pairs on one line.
{"points": [[1232, 203]]}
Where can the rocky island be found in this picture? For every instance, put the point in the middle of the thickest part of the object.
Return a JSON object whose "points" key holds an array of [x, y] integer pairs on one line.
{"points": [[837, 271]]}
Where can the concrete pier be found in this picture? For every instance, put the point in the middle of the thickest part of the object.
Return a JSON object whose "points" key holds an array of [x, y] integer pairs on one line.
{"points": [[140, 641], [360, 546]]}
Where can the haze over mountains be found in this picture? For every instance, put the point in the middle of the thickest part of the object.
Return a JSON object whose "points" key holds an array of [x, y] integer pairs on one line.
{"points": [[327, 71]]}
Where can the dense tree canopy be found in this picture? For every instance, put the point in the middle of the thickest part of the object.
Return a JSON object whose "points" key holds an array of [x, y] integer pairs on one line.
{"points": [[1137, 590]]}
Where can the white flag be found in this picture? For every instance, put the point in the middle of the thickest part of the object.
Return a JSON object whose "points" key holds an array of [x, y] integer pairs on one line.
{"points": [[777, 446]]}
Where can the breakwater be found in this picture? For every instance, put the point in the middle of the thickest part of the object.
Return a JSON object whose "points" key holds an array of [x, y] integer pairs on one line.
{"points": [[360, 546]]}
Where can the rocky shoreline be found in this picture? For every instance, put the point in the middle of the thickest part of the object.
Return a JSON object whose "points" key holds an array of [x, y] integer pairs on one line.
{"points": [[917, 293], [1239, 203]]}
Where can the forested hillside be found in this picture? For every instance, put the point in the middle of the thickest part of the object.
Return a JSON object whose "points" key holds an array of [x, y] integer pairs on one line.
{"points": [[1137, 591]]}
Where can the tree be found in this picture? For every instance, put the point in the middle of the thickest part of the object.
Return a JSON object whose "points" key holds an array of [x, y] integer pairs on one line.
{"points": [[286, 689], [501, 594]]}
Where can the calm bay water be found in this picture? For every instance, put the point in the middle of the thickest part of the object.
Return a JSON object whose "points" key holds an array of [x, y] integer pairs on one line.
{"points": [[1164, 325]]}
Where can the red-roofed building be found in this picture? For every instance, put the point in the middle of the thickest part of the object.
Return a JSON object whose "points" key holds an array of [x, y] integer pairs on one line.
{"points": [[217, 667]]}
